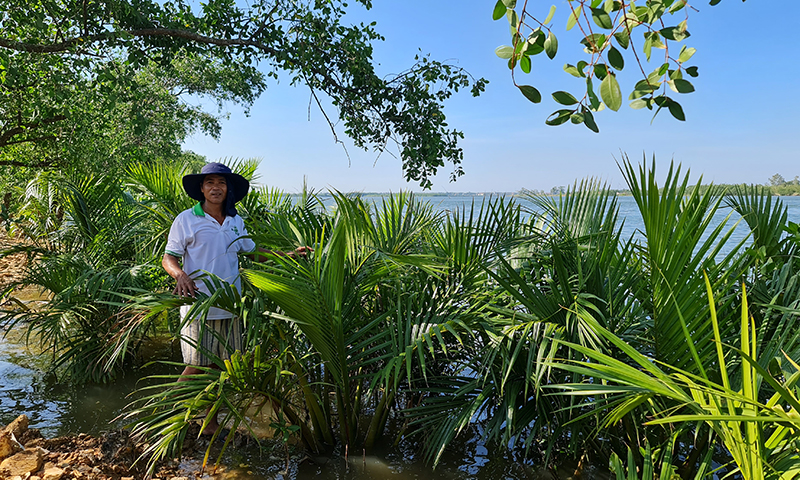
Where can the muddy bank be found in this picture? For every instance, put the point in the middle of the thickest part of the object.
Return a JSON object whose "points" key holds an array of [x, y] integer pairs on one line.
{"points": [[26, 455]]}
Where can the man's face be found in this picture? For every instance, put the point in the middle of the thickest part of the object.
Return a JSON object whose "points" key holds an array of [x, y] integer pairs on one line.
{"points": [[214, 189]]}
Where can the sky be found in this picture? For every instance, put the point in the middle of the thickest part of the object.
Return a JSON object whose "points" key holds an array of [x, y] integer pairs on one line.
{"points": [[740, 122]]}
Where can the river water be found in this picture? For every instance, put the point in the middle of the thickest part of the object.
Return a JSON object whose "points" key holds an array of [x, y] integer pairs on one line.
{"points": [[60, 409]]}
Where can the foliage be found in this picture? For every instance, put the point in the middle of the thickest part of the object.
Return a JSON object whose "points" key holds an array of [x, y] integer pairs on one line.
{"points": [[84, 236], [53, 51], [608, 29], [546, 332]]}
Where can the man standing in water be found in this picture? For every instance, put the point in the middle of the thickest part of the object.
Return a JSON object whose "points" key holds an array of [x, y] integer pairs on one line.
{"points": [[208, 238]]}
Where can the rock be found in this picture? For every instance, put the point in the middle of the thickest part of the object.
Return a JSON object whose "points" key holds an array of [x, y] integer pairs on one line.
{"points": [[18, 426], [8, 445], [53, 473], [22, 463]]}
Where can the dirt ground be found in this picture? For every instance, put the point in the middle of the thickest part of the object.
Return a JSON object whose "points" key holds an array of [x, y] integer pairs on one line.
{"points": [[11, 267], [111, 456]]}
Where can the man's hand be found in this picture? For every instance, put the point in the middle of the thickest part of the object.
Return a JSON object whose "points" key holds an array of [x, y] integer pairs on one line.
{"points": [[185, 287], [301, 252]]}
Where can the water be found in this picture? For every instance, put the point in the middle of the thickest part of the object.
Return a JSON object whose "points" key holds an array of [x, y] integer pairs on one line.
{"points": [[58, 409]]}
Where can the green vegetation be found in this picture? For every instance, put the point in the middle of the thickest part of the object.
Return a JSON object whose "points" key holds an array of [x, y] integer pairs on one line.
{"points": [[100, 84], [552, 336], [610, 31]]}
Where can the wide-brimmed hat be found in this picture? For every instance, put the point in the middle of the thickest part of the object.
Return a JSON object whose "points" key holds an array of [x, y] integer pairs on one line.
{"points": [[237, 184]]}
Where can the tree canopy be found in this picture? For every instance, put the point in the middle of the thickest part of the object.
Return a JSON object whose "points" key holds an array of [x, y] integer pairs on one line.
{"points": [[62, 63]]}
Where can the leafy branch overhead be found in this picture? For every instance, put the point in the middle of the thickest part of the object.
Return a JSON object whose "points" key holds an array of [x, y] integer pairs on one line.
{"points": [[609, 30], [48, 45]]}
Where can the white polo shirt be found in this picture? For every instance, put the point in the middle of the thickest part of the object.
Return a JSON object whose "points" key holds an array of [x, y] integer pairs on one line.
{"points": [[206, 246]]}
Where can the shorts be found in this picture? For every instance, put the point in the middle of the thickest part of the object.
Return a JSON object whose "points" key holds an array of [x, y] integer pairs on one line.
{"points": [[220, 338]]}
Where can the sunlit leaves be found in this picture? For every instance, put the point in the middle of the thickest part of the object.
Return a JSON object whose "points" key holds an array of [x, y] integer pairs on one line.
{"points": [[686, 54], [551, 45], [573, 18], [610, 92], [550, 15], [504, 52], [573, 70], [606, 27]]}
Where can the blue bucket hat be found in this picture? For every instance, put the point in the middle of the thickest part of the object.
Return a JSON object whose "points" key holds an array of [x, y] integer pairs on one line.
{"points": [[238, 186]]}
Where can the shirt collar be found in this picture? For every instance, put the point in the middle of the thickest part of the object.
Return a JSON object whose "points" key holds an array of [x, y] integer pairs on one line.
{"points": [[198, 210]]}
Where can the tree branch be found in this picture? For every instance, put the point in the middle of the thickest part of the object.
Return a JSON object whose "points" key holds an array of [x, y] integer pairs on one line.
{"points": [[17, 163], [5, 138], [66, 45]]}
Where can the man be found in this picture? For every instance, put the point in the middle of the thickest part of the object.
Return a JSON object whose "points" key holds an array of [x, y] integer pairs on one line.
{"points": [[208, 238]]}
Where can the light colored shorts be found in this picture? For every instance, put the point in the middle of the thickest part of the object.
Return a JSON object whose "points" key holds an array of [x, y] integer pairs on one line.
{"points": [[228, 339]]}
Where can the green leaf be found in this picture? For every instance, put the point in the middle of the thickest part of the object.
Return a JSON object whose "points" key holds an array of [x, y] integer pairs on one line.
{"points": [[513, 20], [525, 64], [676, 110], [574, 15], [499, 10], [674, 33], [504, 51], [602, 19], [551, 45], [558, 117], [691, 71], [686, 54], [530, 93], [576, 118], [610, 92], [610, 6], [640, 103], [600, 71], [683, 86], [615, 58], [594, 42], [594, 102], [623, 39], [588, 120], [564, 98], [643, 88], [573, 70], [677, 6], [550, 15]]}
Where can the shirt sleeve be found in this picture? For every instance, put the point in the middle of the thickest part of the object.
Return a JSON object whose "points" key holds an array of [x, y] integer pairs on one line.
{"points": [[246, 244], [177, 238]]}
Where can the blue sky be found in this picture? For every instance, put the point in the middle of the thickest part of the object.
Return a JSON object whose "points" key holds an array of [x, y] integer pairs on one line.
{"points": [[740, 126]]}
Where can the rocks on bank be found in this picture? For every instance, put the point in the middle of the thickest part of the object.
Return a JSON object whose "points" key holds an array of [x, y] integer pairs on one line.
{"points": [[26, 455]]}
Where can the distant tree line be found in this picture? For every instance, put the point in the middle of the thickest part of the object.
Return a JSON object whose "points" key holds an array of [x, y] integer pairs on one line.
{"points": [[776, 184]]}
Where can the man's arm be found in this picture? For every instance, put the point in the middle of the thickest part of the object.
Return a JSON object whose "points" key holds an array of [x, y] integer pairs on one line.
{"points": [[185, 285], [262, 254]]}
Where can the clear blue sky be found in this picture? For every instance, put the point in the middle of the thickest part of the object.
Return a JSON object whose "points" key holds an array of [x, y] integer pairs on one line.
{"points": [[740, 127]]}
